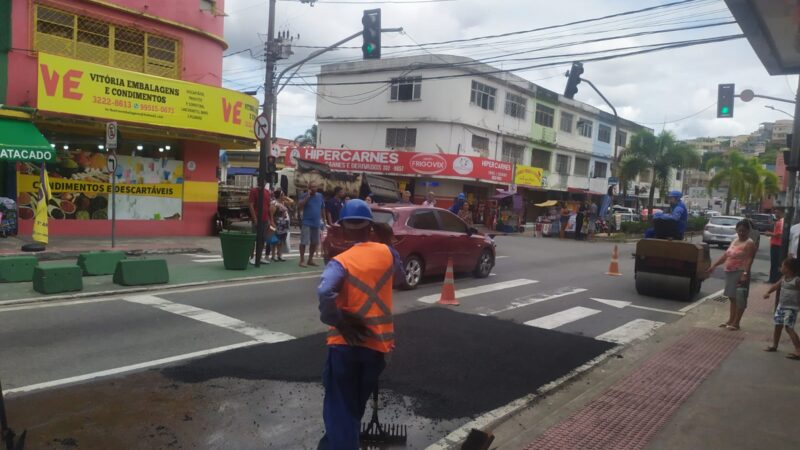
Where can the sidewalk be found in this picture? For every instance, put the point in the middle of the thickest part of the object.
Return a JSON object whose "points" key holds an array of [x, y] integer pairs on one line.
{"points": [[192, 261], [692, 385]]}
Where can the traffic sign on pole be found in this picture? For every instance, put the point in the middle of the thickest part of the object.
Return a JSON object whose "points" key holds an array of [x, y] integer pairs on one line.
{"points": [[111, 135], [261, 127]]}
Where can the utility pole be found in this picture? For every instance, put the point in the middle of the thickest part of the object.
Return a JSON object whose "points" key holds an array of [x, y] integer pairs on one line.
{"points": [[264, 151]]}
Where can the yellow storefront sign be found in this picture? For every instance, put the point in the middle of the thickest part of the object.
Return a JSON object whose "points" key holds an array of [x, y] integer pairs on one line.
{"points": [[528, 176], [30, 183], [77, 87]]}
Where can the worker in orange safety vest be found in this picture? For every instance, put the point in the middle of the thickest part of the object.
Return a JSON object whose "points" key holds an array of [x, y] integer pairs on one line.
{"points": [[355, 299]]}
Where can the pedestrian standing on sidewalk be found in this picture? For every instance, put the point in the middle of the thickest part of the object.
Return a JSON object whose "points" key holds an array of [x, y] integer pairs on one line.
{"points": [[775, 248], [280, 217], [252, 200], [788, 304], [334, 206], [355, 299], [313, 206], [564, 221], [430, 200], [579, 222], [592, 227], [738, 260]]}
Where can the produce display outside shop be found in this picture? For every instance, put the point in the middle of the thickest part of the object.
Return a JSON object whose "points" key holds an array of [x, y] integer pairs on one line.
{"points": [[147, 188]]}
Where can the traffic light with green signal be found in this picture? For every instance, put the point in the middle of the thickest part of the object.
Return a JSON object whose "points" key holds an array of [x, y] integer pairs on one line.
{"points": [[372, 34], [574, 78], [725, 96]]}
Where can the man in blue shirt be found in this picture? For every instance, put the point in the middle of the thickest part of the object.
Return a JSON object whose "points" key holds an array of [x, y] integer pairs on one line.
{"points": [[355, 299], [312, 203], [334, 206]]}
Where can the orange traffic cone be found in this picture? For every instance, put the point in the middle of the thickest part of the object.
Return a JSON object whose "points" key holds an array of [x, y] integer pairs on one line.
{"points": [[448, 296], [613, 267]]}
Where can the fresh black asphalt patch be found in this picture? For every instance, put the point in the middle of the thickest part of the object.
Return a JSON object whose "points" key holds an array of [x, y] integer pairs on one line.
{"points": [[453, 364]]}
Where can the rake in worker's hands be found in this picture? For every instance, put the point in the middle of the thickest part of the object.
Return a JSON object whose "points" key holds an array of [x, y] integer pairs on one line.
{"points": [[376, 433]]}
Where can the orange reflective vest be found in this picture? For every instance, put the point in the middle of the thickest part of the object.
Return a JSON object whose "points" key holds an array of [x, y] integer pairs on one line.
{"points": [[367, 292]]}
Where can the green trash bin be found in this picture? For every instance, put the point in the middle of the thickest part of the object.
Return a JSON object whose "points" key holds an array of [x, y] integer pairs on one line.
{"points": [[236, 249]]}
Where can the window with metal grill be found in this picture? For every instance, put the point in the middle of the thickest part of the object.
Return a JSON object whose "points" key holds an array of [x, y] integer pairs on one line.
{"points": [[512, 152], [401, 137], [482, 95], [406, 89], [516, 105], [544, 115], [582, 167], [622, 139], [600, 169], [585, 128], [87, 39], [562, 164], [604, 133], [540, 159], [480, 145], [566, 122]]}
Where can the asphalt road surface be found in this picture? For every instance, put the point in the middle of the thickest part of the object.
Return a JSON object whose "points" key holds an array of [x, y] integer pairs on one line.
{"points": [[552, 299]]}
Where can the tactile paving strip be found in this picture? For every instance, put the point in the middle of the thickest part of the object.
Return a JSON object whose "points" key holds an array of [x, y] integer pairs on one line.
{"points": [[629, 413]]}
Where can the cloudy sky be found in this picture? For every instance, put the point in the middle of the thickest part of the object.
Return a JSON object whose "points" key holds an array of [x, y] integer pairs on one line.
{"points": [[675, 88]]}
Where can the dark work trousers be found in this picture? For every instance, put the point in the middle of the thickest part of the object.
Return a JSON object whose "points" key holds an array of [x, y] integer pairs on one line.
{"points": [[774, 263], [349, 377]]}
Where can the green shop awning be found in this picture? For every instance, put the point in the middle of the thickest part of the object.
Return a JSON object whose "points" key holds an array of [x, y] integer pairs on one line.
{"points": [[20, 140]]}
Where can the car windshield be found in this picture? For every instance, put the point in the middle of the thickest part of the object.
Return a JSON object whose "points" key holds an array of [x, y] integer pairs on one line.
{"points": [[383, 217], [724, 221]]}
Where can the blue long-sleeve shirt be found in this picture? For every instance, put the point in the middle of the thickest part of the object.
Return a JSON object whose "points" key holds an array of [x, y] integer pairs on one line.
{"points": [[679, 214], [331, 283]]}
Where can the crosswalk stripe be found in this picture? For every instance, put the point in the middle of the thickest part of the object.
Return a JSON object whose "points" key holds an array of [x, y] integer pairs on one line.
{"points": [[527, 300], [212, 318], [562, 317], [501, 256], [635, 329], [477, 290]]}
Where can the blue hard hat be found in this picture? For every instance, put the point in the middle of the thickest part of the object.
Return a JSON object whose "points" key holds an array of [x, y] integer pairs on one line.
{"points": [[356, 209], [676, 194], [461, 196]]}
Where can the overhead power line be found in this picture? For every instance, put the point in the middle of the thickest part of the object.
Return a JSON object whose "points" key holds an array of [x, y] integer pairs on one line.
{"points": [[668, 46]]}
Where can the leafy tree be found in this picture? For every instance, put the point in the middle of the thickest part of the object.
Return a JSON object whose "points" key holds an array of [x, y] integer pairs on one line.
{"points": [[309, 137], [660, 154]]}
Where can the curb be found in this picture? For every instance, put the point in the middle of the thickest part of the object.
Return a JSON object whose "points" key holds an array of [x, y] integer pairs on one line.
{"points": [[56, 255], [157, 287]]}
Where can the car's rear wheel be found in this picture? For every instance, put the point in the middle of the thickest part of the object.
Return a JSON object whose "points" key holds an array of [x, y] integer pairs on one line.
{"points": [[484, 266], [414, 268]]}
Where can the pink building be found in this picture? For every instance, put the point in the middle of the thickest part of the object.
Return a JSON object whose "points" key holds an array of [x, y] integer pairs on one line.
{"points": [[154, 68]]}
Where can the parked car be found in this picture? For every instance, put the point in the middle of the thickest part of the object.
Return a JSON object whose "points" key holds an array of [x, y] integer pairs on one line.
{"points": [[721, 230], [622, 209], [762, 222], [712, 213], [425, 238]]}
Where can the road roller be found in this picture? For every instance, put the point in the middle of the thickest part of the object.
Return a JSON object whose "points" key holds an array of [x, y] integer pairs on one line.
{"points": [[671, 268]]}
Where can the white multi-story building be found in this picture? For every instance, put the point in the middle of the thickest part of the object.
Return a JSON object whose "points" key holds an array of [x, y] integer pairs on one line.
{"points": [[456, 105], [780, 130]]}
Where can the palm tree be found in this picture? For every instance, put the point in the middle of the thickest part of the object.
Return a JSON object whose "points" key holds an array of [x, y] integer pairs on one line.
{"points": [[661, 155], [741, 175], [309, 137], [745, 178]]}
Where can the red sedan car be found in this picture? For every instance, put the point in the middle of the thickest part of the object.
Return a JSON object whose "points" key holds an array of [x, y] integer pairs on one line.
{"points": [[425, 237]]}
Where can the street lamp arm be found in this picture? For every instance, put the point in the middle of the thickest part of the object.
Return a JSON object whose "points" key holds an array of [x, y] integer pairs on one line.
{"points": [[320, 52], [603, 97], [771, 98]]}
